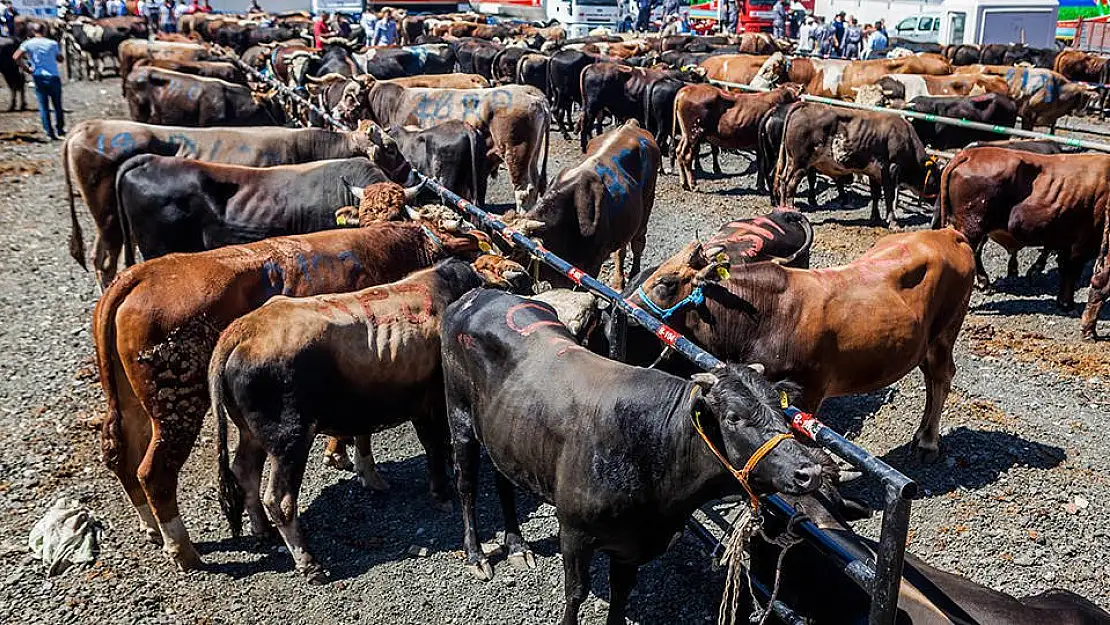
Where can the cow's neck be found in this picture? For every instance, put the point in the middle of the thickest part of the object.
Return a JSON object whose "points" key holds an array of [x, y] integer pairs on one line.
{"points": [[696, 476]]}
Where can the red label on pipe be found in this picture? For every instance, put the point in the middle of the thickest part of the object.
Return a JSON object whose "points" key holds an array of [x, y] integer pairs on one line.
{"points": [[574, 273], [667, 335], [803, 422]]}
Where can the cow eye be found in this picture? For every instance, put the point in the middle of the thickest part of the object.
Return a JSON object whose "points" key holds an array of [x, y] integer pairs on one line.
{"points": [[663, 288], [733, 416]]}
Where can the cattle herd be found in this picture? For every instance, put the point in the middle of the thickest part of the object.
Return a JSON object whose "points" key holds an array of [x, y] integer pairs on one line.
{"points": [[294, 277]]}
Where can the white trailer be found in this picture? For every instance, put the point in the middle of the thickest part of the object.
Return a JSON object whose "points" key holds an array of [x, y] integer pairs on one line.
{"points": [[579, 17]]}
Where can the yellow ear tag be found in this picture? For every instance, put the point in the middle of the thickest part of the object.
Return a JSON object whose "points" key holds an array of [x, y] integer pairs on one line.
{"points": [[721, 257], [784, 400], [722, 273], [485, 247], [341, 220]]}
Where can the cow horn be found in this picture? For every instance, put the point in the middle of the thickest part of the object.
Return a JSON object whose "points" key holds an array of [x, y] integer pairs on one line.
{"points": [[413, 213], [704, 380], [528, 226], [356, 191], [757, 367], [412, 192]]}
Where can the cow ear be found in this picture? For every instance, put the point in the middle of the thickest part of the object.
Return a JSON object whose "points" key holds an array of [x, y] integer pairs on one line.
{"points": [[697, 259], [704, 380], [790, 390]]}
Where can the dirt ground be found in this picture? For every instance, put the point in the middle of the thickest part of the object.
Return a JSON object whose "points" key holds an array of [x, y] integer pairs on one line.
{"points": [[1013, 503]]}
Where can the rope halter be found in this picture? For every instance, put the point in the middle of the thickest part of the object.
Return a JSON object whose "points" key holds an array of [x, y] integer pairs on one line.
{"points": [[695, 298], [742, 475]]}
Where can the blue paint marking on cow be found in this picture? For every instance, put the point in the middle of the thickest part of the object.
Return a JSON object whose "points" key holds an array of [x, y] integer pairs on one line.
{"points": [[193, 93], [187, 146], [273, 277], [470, 103], [501, 99], [100, 144], [306, 272], [215, 150], [444, 106], [271, 157], [123, 142], [347, 257], [616, 192]]}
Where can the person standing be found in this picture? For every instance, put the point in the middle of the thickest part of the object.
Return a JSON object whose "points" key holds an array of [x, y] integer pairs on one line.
{"points": [[369, 22], [385, 31], [100, 10], [805, 36], [779, 16], [643, 18], [670, 7], [43, 55], [877, 43], [320, 30], [827, 41], [838, 25], [167, 23], [8, 23], [853, 39]]}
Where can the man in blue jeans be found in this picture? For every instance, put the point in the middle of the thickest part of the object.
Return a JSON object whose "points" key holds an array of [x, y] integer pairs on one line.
{"points": [[43, 55]]}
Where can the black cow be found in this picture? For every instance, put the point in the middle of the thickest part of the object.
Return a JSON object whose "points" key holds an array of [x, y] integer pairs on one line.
{"points": [[169, 98], [337, 58], [610, 445], [989, 108], [170, 204], [564, 84], [963, 54], [475, 56], [532, 70], [623, 92], [927, 594], [12, 73], [387, 63], [1037, 57], [101, 39], [659, 112], [453, 152], [503, 67]]}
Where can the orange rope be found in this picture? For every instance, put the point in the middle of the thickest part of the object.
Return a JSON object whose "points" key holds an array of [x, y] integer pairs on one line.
{"points": [[742, 475]]}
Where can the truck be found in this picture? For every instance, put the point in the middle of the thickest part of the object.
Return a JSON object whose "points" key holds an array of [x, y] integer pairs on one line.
{"points": [[578, 17], [754, 15]]}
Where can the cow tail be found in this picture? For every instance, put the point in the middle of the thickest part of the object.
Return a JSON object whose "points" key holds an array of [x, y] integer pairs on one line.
{"points": [[112, 442], [76, 237], [546, 146], [782, 156], [940, 211], [231, 494], [123, 217], [470, 132]]}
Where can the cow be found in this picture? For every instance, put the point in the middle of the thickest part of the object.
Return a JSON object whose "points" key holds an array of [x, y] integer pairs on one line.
{"points": [[132, 50], [612, 444], [1043, 96], [990, 108], [799, 322], [441, 81], [620, 90], [897, 89], [100, 39], [838, 142], [95, 149], [227, 72], [1019, 53], [156, 324], [454, 153], [13, 74], [598, 207], [329, 380], [729, 121], [768, 145], [564, 84], [1100, 288], [1057, 201], [475, 56], [169, 204], [515, 118], [841, 79], [926, 594], [503, 67], [532, 70], [1079, 66], [169, 98], [386, 63]]}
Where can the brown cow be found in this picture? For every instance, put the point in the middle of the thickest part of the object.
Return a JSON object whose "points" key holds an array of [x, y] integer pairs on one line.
{"points": [[94, 151], [899, 89], [515, 117], [157, 323], [132, 50], [308, 350], [1100, 287], [1081, 66], [165, 97], [839, 142], [1057, 201], [804, 324], [1043, 96], [729, 121], [227, 72]]}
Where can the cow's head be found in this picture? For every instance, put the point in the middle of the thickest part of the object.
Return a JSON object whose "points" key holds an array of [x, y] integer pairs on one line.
{"points": [[771, 72], [383, 201], [353, 104], [677, 285], [1080, 100], [503, 273], [740, 415], [384, 151]]}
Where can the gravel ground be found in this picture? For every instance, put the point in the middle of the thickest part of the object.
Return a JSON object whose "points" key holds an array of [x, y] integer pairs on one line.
{"points": [[1013, 503]]}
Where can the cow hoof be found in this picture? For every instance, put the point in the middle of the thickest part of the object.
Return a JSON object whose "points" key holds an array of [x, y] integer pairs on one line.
{"points": [[1089, 336], [482, 570], [152, 534], [186, 558], [522, 559], [338, 461], [373, 481], [314, 574], [926, 455]]}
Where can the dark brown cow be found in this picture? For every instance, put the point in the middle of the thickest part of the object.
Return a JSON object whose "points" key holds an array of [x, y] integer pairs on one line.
{"points": [[1100, 287], [838, 142], [1057, 201], [515, 118], [165, 97], [157, 323], [619, 90], [804, 324], [94, 151], [725, 120], [302, 349], [601, 205]]}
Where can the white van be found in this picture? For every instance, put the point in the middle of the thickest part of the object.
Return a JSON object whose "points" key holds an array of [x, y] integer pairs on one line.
{"points": [[923, 28]]}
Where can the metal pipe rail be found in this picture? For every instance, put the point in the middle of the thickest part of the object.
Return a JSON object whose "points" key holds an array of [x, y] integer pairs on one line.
{"points": [[929, 117], [881, 579]]}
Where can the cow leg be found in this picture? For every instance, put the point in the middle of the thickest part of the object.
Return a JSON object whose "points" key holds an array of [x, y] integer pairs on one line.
{"points": [[133, 427], [1100, 281], [577, 549], [639, 242], [716, 152], [1012, 264], [618, 269], [247, 468], [433, 435], [791, 180], [1039, 265], [811, 180], [982, 280], [335, 454], [159, 474], [287, 466], [520, 556], [590, 116], [365, 466], [465, 447], [938, 370], [516, 159], [688, 147], [106, 251], [876, 194], [622, 578], [1070, 268], [890, 194]]}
